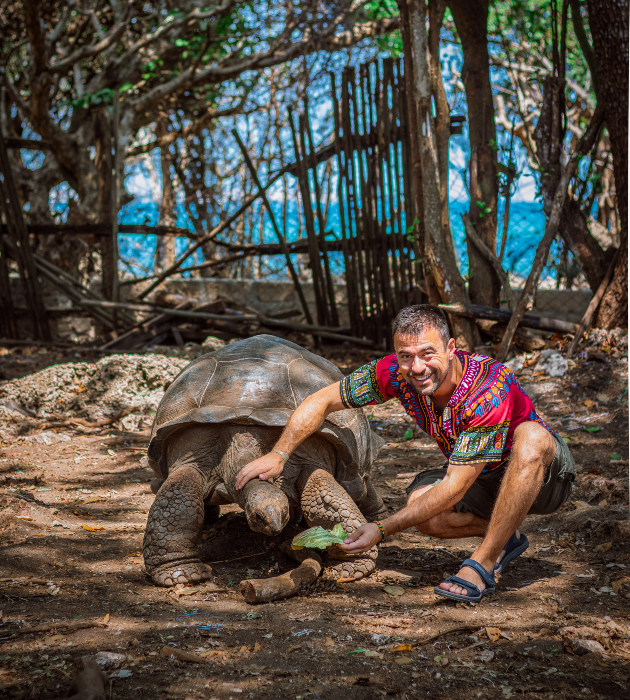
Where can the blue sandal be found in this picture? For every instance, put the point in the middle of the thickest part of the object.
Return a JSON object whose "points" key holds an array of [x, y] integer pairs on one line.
{"points": [[474, 594], [514, 548]]}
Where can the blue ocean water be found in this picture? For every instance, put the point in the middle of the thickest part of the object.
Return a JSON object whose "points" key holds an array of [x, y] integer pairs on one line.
{"points": [[526, 228]]}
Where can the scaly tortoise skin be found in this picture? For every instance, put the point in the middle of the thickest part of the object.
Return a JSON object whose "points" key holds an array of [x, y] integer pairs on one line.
{"points": [[224, 410]]}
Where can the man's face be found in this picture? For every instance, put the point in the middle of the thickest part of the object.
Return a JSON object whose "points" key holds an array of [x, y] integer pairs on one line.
{"points": [[424, 360]]}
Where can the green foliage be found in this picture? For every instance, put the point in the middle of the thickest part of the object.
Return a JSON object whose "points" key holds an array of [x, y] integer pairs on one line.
{"points": [[319, 538], [526, 25], [391, 43], [483, 209]]}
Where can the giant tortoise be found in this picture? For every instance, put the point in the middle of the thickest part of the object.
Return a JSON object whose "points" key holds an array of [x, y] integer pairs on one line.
{"points": [[224, 410]]}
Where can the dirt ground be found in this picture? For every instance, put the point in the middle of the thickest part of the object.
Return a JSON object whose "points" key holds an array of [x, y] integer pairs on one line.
{"points": [[73, 505]]}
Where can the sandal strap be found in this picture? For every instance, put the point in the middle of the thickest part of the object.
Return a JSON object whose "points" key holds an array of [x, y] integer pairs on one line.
{"points": [[512, 543], [487, 576], [470, 587]]}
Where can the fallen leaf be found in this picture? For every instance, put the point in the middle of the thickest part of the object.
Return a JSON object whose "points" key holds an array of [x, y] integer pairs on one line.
{"points": [[615, 456], [408, 434], [594, 429], [54, 639], [580, 504], [402, 660], [257, 646], [372, 654], [189, 591], [604, 547], [92, 528], [243, 650], [106, 618], [603, 398], [493, 633], [589, 404], [616, 585], [394, 590], [402, 647], [330, 642], [537, 374]]}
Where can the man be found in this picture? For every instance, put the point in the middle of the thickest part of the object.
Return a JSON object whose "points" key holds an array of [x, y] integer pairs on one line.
{"points": [[503, 461]]}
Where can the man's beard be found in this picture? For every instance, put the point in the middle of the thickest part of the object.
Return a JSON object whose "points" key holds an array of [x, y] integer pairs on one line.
{"points": [[435, 383]]}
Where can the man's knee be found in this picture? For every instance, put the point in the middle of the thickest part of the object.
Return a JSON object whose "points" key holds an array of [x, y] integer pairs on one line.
{"points": [[533, 445], [436, 526]]}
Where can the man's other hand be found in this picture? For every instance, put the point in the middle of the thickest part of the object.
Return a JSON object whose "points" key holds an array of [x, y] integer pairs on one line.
{"points": [[266, 467], [362, 539]]}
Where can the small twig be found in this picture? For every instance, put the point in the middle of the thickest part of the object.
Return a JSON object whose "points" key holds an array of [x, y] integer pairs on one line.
{"points": [[465, 628], [60, 624], [86, 424], [246, 556]]}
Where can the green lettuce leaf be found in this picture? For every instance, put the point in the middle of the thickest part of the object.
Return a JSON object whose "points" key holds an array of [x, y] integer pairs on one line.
{"points": [[319, 538]]}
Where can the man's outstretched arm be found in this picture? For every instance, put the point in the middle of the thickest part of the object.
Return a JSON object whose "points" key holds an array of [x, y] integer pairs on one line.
{"points": [[306, 420], [441, 497]]}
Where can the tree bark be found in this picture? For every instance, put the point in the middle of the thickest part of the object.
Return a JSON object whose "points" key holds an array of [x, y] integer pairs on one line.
{"points": [[103, 163], [165, 245], [608, 20], [439, 250], [471, 20]]}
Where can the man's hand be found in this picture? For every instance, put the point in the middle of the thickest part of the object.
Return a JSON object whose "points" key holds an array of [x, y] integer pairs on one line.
{"points": [[266, 467], [362, 539]]}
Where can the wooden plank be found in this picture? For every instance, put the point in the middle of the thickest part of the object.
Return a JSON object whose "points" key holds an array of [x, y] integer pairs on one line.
{"points": [[529, 320]]}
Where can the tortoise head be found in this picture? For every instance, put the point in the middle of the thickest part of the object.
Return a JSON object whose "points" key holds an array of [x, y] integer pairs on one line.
{"points": [[266, 507]]}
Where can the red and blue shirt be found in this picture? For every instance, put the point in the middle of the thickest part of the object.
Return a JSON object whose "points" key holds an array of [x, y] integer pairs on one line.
{"points": [[479, 420]]}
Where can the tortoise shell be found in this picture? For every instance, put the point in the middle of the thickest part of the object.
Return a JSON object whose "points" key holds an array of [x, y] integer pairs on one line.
{"points": [[260, 381]]}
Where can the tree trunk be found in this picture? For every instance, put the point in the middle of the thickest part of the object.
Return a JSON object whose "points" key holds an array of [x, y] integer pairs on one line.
{"points": [[608, 20], [165, 245], [471, 19], [439, 250], [574, 231], [103, 163]]}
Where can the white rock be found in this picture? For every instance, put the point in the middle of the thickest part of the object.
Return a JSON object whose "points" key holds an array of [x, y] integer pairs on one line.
{"points": [[552, 363], [110, 659], [516, 364], [47, 438]]}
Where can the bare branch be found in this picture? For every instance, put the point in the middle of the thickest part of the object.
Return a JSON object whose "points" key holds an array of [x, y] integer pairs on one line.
{"points": [[92, 50]]}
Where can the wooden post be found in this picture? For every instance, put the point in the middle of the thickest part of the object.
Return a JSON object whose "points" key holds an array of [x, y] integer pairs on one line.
{"points": [[587, 319], [19, 234], [279, 236], [115, 178], [8, 320]]}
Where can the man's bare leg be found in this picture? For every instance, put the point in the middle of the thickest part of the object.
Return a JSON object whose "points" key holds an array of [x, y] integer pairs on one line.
{"points": [[533, 451]]}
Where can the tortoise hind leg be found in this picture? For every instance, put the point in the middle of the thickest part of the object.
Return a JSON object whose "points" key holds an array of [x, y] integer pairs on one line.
{"points": [[325, 502], [174, 524]]}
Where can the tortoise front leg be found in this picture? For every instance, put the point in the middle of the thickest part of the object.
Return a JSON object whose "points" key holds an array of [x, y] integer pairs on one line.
{"points": [[173, 527], [324, 502]]}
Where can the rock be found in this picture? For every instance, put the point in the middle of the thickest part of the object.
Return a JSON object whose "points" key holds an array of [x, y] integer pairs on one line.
{"points": [[47, 438], [516, 364], [96, 390], [587, 646], [380, 639], [210, 344], [552, 363], [110, 659]]}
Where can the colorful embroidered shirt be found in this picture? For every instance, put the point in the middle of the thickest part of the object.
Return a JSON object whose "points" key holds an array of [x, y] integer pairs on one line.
{"points": [[479, 420]]}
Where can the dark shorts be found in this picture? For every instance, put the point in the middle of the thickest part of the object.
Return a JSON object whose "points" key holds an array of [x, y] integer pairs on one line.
{"points": [[480, 497]]}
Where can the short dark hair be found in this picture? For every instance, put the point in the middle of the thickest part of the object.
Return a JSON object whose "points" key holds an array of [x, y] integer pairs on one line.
{"points": [[417, 319]]}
